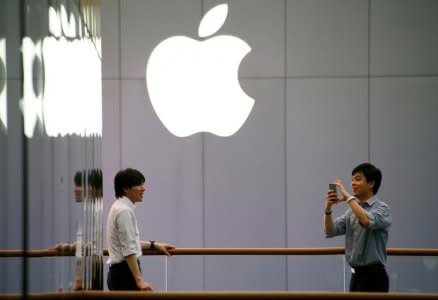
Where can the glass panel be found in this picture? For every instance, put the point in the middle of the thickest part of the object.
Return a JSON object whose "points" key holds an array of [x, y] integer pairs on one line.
{"points": [[267, 272], [50, 128], [304, 273], [408, 274], [154, 269], [185, 273], [11, 147], [255, 272], [316, 273], [413, 274], [55, 273]]}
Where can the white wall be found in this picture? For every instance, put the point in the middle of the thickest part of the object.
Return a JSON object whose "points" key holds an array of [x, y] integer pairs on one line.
{"points": [[335, 83]]}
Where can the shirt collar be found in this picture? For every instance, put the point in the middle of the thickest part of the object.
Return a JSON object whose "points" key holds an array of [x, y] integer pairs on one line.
{"points": [[371, 201], [128, 202]]}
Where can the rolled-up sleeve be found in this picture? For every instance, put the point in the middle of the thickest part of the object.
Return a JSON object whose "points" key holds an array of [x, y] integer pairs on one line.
{"points": [[379, 217], [339, 226], [128, 233]]}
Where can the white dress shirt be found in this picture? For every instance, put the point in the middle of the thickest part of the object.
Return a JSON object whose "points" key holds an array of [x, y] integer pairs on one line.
{"points": [[123, 236]]}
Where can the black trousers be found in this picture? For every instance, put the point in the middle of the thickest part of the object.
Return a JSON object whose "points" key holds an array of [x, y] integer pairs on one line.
{"points": [[372, 278], [120, 277]]}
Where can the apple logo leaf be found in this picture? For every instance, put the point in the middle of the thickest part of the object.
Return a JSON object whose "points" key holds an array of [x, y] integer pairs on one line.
{"points": [[213, 20]]}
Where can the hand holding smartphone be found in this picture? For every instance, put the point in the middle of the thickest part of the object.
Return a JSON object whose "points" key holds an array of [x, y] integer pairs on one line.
{"points": [[332, 198], [333, 187]]}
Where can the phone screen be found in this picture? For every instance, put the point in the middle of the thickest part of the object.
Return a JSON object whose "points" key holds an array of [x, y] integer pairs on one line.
{"points": [[332, 186]]}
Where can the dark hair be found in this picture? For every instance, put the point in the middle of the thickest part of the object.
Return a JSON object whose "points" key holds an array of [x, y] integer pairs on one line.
{"points": [[371, 174], [78, 178], [126, 179], [95, 178]]}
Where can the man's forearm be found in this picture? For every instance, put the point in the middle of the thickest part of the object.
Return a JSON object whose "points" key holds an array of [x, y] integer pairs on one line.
{"points": [[133, 266], [357, 209], [145, 245], [328, 223]]}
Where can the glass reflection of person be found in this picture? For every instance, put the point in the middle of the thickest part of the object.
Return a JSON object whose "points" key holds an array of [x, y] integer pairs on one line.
{"points": [[94, 194], [123, 236], [78, 189], [77, 246], [365, 226], [93, 244]]}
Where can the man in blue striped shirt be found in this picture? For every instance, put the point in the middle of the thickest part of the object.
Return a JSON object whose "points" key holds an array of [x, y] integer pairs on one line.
{"points": [[365, 225]]}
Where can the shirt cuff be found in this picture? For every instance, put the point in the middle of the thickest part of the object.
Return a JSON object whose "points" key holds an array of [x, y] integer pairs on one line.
{"points": [[371, 220]]}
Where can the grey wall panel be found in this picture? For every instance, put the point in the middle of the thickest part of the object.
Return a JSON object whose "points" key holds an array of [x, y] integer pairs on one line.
{"points": [[245, 193], [110, 38], [172, 207], [244, 174], [327, 38], [111, 142], [111, 146], [404, 122], [327, 135], [262, 27], [146, 23], [404, 37]]}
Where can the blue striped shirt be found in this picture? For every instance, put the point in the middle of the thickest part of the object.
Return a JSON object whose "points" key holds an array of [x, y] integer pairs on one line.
{"points": [[365, 246]]}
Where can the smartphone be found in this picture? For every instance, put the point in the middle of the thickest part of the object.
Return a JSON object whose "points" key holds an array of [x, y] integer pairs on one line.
{"points": [[333, 187]]}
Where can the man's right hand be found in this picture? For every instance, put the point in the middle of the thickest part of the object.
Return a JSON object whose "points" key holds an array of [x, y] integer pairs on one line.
{"points": [[143, 285], [64, 248], [330, 199]]}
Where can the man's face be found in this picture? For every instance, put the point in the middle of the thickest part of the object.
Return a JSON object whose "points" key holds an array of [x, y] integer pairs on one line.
{"points": [[78, 193], [135, 193], [361, 188]]}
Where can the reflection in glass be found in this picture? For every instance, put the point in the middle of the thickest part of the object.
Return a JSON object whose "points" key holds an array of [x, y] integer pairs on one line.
{"points": [[413, 274], [50, 127], [68, 50], [88, 245], [3, 87]]}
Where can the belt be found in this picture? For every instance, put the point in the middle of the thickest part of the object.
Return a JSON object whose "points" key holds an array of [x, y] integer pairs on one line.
{"points": [[367, 268], [123, 263]]}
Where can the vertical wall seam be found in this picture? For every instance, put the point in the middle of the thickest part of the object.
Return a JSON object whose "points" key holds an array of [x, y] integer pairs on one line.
{"points": [[369, 81], [203, 208], [285, 144], [204, 271], [24, 154], [120, 82]]}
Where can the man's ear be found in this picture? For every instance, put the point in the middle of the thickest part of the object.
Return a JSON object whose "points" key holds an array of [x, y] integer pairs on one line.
{"points": [[371, 184]]}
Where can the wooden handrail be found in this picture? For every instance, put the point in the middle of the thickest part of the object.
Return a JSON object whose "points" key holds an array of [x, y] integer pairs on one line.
{"points": [[228, 295], [224, 295], [230, 251]]}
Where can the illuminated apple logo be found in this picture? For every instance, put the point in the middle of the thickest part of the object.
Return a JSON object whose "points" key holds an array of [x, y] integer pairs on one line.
{"points": [[193, 85], [3, 86]]}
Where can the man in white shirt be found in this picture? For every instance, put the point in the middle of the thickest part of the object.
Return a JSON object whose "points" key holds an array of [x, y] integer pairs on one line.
{"points": [[123, 236]]}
